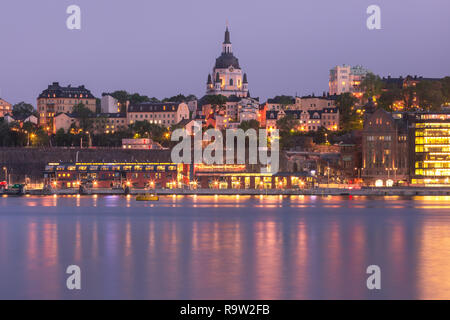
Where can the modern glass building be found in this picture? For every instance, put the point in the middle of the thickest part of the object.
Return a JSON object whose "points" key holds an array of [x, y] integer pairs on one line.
{"points": [[430, 150]]}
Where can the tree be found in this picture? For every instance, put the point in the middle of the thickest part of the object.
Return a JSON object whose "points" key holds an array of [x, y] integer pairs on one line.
{"points": [[180, 98], [61, 138], [321, 135], [286, 124], [84, 115], [349, 118], [284, 100], [23, 110], [146, 129], [250, 124], [371, 85], [137, 98], [446, 89], [216, 100], [429, 95], [121, 96]]}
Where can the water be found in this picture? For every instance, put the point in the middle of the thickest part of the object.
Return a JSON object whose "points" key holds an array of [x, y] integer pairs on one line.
{"points": [[229, 247]]}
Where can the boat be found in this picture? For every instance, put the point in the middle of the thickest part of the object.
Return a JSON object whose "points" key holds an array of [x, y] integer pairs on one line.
{"points": [[147, 197]]}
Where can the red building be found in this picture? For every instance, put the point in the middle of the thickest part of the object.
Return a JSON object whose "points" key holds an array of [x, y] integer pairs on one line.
{"points": [[116, 175]]}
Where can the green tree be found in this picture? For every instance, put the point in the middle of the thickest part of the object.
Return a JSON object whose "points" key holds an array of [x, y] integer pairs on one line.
{"points": [[137, 98], [250, 124], [23, 110], [216, 100], [120, 95], [371, 85], [144, 129], [446, 89], [429, 95], [84, 116], [348, 117], [61, 138], [286, 124], [284, 100]]}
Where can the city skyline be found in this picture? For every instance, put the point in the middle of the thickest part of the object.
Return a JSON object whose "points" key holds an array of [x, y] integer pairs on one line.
{"points": [[175, 59]]}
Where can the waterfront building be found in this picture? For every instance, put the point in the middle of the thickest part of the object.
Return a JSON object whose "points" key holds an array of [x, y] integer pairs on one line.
{"points": [[109, 104], [347, 79], [248, 109], [64, 121], [165, 114], [5, 107], [115, 175], [8, 118], [193, 125], [280, 103], [102, 123], [56, 99], [169, 176], [227, 77], [239, 176], [315, 103], [106, 123], [141, 144], [429, 134], [306, 120], [192, 105], [351, 160], [27, 119], [385, 148]]}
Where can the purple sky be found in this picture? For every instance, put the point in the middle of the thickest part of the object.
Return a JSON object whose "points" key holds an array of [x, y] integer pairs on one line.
{"points": [[165, 47]]}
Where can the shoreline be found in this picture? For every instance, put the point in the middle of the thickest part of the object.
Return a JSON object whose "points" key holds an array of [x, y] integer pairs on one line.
{"points": [[406, 191]]}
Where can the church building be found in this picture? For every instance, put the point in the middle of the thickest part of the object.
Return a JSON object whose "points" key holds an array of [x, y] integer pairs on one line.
{"points": [[227, 78]]}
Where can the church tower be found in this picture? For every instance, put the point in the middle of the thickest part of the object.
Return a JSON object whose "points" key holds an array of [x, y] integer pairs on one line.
{"points": [[227, 74]]}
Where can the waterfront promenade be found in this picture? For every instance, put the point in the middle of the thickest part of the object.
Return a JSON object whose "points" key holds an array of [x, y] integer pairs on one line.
{"points": [[405, 191]]}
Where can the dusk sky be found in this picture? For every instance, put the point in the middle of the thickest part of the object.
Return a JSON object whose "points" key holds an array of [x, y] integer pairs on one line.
{"points": [[162, 48]]}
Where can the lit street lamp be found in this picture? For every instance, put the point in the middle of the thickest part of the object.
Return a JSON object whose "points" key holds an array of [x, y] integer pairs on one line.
{"points": [[5, 170]]}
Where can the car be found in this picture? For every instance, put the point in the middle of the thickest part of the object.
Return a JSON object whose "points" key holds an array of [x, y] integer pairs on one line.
{"points": [[3, 185]]}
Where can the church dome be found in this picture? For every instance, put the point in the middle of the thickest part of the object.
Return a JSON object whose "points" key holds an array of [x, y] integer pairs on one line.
{"points": [[227, 60]]}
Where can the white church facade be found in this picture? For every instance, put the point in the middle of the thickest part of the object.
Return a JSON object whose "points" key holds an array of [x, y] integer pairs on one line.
{"points": [[227, 77]]}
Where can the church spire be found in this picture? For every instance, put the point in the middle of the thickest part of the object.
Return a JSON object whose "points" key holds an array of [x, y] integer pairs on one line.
{"points": [[227, 37], [226, 46]]}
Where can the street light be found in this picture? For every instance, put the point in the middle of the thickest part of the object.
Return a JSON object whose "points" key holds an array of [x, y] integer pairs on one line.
{"points": [[5, 169]]}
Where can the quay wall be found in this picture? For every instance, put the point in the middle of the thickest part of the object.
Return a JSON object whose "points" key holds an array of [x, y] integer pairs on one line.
{"points": [[378, 192]]}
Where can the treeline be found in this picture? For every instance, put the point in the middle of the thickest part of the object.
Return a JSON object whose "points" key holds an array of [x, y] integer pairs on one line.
{"points": [[123, 96], [424, 94]]}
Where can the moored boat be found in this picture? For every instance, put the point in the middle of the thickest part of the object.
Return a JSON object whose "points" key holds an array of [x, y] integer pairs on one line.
{"points": [[147, 197]]}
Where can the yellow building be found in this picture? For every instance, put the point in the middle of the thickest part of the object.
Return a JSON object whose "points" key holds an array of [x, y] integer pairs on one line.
{"points": [[165, 114], [56, 99], [5, 108], [430, 164]]}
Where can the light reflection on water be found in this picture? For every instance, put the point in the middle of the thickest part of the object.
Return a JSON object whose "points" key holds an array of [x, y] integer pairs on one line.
{"points": [[225, 247]]}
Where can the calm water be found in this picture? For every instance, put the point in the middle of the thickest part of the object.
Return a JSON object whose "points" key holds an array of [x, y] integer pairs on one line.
{"points": [[189, 247]]}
